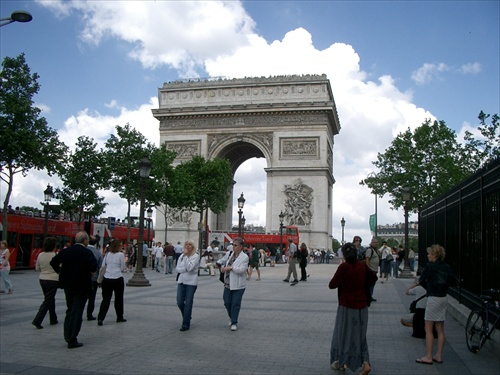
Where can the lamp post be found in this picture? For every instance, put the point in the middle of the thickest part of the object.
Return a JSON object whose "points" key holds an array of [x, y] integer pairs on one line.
{"points": [[47, 194], [243, 221], [241, 203], [16, 16], [149, 214], [406, 270], [373, 175], [281, 216], [139, 279], [342, 223]]}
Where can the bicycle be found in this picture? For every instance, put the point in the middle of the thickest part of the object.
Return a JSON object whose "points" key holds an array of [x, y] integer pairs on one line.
{"points": [[478, 328]]}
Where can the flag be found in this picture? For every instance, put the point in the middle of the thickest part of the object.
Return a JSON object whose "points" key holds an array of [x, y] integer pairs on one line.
{"points": [[373, 222]]}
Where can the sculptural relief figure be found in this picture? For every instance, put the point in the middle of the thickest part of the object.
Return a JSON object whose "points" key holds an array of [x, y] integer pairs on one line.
{"points": [[178, 216], [298, 203]]}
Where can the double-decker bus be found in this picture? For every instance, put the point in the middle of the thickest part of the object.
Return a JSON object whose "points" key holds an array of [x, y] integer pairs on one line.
{"points": [[259, 240], [26, 233]]}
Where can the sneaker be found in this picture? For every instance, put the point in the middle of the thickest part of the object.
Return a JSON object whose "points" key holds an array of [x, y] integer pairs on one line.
{"points": [[230, 324], [234, 327], [286, 281]]}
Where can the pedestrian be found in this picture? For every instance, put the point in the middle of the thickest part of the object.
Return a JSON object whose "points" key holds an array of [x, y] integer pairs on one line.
{"points": [[435, 278], [411, 258], [93, 292], [394, 264], [349, 348], [207, 262], [372, 258], [157, 255], [144, 255], [5, 267], [113, 283], [169, 253], [187, 281], [303, 254], [272, 256], [75, 266], [292, 263], [49, 282], [254, 264], [385, 262], [178, 251], [234, 266]]}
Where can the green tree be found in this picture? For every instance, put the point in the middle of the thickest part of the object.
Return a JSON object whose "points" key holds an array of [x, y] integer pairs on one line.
{"points": [[487, 147], [124, 151], [162, 193], [26, 141], [85, 172], [429, 161], [205, 184]]}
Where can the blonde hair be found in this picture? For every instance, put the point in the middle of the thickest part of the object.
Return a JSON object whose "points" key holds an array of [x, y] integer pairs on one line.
{"points": [[193, 247], [438, 251]]}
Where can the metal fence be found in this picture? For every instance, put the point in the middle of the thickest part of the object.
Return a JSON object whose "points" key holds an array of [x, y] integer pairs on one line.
{"points": [[465, 221]]}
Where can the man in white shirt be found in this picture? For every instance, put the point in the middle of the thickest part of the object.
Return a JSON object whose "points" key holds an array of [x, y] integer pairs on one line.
{"points": [[158, 253]]}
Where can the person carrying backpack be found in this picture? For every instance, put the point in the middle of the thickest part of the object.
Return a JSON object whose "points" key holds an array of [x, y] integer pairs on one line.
{"points": [[372, 259]]}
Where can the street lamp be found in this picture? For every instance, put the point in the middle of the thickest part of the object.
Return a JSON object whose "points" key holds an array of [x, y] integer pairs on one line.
{"points": [[47, 196], [281, 216], [149, 214], [139, 279], [342, 222], [16, 16], [241, 203], [243, 221], [406, 198]]}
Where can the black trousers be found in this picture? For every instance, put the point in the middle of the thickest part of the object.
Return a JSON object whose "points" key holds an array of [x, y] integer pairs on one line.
{"points": [[110, 286], [92, 295], [303, 273], [75, 303], [49, 288]]}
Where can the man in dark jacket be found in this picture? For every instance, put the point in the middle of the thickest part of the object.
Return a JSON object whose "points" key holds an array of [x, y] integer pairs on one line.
{"points": [[75, 266]]}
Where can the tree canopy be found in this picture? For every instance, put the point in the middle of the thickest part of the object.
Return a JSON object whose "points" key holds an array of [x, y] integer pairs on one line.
{"points": [[84, 173], [26, 141], [428, 160]]}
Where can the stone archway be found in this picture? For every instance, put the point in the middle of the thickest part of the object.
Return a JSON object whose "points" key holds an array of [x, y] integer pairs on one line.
{"points": [[291, 121]]}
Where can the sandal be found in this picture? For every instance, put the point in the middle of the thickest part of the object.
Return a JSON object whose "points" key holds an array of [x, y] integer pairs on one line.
{"points": [[335, 366], [366, 369]]}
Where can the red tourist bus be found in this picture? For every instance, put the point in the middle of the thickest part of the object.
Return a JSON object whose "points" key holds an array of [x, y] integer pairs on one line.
{"points": [[25, 236], [259, 240]]}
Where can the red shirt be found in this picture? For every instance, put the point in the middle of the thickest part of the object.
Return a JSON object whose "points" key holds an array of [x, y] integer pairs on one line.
{"points": [[350, 279]]}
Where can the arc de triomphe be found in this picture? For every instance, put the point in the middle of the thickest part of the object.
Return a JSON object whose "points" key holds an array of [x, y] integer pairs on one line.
{"points": [[290, 121]]}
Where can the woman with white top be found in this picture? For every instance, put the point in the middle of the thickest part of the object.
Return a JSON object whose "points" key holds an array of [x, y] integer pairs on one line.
{"points": [[113, 282], [49, 282], [234, 266], [5, 266], [187, 281]]}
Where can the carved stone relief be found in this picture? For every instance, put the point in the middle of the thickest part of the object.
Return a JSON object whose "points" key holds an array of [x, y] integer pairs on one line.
{"points": [[185, 149], [298, 203], [243, 121], [177, 216], [297, 148]]}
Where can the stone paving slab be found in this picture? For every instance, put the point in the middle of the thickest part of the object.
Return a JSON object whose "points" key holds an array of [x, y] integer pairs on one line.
{"points": [[283, 329]]}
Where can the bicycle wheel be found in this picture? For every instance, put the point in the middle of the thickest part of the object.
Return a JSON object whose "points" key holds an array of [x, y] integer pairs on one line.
{"points": [[474, 331]]}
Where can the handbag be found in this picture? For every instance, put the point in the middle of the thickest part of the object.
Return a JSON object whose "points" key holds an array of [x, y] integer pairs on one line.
{"points": [[102, 271], [389, 258], [222, 275], [413, 305]]}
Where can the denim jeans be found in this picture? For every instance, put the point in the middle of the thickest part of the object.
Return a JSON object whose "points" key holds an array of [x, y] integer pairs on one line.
{"points": [[185, 297], [4, 276], [169, 262], [232, 302]]}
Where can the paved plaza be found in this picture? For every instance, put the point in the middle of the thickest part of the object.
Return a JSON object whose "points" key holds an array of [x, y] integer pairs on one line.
{"points": [[282, 330]]}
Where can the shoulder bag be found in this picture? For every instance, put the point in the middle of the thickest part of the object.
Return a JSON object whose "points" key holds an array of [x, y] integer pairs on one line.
{"points": [[413, 305], [102, 271]]}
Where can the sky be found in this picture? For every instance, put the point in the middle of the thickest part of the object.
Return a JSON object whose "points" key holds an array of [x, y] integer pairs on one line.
{"points": [[391, 65]]}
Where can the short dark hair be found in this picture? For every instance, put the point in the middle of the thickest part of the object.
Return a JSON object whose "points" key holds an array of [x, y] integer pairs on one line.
{"points": [[49, 244]]}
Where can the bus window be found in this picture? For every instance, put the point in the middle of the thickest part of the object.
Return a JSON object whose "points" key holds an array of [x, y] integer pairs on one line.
{"points": [[12, 239], [291, 231]]}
